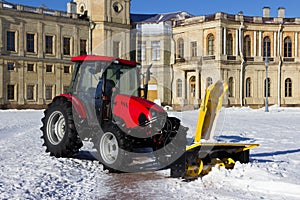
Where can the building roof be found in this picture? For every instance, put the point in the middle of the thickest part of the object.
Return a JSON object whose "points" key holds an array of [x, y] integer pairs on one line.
{"points": [[136, 18], [157, 18]]}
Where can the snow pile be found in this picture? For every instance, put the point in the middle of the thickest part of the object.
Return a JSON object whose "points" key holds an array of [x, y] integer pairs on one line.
{"points": [[27, 172]]}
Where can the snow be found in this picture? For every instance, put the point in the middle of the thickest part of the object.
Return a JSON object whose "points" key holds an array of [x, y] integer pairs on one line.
{"points": [[27, 172]]}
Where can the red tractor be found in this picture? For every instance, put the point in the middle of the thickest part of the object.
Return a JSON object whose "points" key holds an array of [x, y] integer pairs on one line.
{"points": [[107, 104]]}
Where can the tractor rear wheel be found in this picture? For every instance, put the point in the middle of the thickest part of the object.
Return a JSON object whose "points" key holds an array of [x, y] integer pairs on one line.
{"points": [[59, 133]]}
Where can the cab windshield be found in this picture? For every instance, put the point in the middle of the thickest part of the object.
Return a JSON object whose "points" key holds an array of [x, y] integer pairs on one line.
{"points": [[123, 77]]}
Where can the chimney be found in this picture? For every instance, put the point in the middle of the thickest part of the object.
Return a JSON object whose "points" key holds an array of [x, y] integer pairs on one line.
{"points": [[266, 12], [72, 7], [281, 12]]}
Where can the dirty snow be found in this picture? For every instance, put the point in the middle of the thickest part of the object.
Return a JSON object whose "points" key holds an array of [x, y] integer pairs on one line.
{"points": [[27, 172]]}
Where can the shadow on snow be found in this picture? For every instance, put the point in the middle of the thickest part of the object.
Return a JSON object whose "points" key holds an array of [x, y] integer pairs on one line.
{"points": [[234, 139], [270, 154]]}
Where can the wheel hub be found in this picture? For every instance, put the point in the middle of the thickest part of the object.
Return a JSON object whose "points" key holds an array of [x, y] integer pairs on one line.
{"points": [[56, 127], [109, 148]]}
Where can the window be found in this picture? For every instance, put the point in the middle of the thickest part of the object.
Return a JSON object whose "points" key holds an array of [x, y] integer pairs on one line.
{"points": [[267, 47], [193, 86], [66, 69], [247, 46], [10, 92], [66, 89], [67, 46], [180, 48], [116, 50], [229, 44], [230, 86], [269, 87], [141, 54], [49, 44], [287, 47], [11, 43], [49, 92], [49, 68], [248, 87], [83, 47], [288, 87], [10, 66], [194, 49], [179, 88], [210, 44], [30, 42], [155, 50], [30, 67], [209, 81], [30, 92]]}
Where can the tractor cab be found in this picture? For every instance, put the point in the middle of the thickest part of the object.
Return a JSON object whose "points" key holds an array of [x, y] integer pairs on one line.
{"points": [[110, 89]]}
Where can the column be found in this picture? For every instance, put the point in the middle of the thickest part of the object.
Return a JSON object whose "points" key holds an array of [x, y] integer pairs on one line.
{"points": [[296, 44], [127, 6], [40, 89], [255, 44], [1, 38], [259, 43], [40, 43], [275, 44], [58, 42], [218, 41], [237, 42], [2, 81], [184, 86], [21, 84], [108, 42], [21, 39], [76, 41], [197, 88], [58, 78], [224, 40], [201, 43]]}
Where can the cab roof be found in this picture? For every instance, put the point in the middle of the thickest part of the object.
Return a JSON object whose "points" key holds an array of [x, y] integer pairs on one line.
{"points": [[102, 58]]}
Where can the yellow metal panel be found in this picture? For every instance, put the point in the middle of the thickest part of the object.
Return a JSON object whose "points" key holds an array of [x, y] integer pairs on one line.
{"points": [[209, 110]]}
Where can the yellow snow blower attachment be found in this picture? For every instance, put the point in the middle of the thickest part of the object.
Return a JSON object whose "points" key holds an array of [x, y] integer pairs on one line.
{"points": [[202, 155]]}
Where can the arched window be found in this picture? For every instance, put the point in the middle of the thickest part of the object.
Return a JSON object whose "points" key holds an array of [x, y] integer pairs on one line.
{"points": [[268, 82], [287, 47], [288, 87], [247, 46], [179, 88], [267, 47], [210, 44], [229, 45], [230, 87], [248, 87], [209, 81], [180, 48]]}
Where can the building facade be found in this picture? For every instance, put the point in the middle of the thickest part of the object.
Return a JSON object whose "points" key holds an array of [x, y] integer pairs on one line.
{"points": [[187, 53], [234, 48], [36, 46]]}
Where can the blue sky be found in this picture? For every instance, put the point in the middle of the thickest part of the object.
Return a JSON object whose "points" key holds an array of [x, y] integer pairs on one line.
{"points": [[196, 7]]}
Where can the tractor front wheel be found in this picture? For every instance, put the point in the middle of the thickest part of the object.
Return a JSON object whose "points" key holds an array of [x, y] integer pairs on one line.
{"points": [[111, 147]]}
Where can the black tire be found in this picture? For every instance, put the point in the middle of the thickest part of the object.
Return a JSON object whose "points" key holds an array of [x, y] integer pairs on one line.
{"points": [[59, 133], [112, 147]]}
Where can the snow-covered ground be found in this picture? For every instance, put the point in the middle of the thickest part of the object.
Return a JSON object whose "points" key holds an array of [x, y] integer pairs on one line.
{"points": [[27, 172]]}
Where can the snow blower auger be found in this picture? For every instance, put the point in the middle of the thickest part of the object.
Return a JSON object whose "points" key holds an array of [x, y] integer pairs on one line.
{"points": [[201, 156]]}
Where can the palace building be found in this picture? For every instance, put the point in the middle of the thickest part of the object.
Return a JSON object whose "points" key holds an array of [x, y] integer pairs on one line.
{"points": [[187, 53]]}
